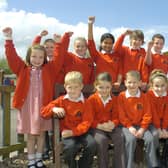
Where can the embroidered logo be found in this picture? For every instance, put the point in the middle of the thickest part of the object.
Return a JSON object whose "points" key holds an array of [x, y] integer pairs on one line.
{"points": [[78, 114], [139, 106]]}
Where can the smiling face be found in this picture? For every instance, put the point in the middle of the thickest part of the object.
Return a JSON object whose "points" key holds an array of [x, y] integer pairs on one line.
{"points": [[49, 46], [158, 44], [159, 85], [104, 89], [37, 58], [80, 47], [107, 45], [136, 43]]}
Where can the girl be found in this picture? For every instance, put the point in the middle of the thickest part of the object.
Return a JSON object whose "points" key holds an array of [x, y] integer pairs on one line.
{"points": [[105, 124], [106, 59], [79, 59], [35, 88]]}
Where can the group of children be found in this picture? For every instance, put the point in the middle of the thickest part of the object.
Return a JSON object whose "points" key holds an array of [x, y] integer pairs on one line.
{"points": [[92, 122]]}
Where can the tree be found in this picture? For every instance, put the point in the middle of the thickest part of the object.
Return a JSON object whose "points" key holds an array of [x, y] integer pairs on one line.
{"points": [[4, 65]]}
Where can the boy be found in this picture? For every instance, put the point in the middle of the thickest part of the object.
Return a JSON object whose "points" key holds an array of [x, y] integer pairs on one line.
{"points": [[76, 122], [133, 55], [135, 117], [154, 56]]}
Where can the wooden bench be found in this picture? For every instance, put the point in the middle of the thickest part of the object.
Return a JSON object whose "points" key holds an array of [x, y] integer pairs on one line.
{"points": [[87, 90]]}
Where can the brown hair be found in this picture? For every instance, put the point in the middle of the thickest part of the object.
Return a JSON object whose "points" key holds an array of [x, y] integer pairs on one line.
{"points": [[134, 74], [137, 34], [35, 47], [160, 36]]}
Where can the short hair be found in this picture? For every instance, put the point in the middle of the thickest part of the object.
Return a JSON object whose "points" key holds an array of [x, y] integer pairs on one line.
{"points": [[80, 39], [160, 36], [137, 34], [35, 47], [157, 73], [134, 74], [49, 40], [104, 76], [73, 77]]}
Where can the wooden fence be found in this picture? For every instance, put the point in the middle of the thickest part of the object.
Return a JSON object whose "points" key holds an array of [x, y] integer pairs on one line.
{"points": [[5, 100]]}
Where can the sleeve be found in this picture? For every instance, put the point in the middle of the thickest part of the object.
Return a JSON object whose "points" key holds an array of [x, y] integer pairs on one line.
{"points": [[15, 62], [46, 111], [87, 120], [147, 117], [36, 40], [92, 50], [165, 114]]}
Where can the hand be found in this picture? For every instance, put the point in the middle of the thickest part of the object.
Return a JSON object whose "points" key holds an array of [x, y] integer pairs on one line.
{"points": [[59, 112], [140, 132], [43, 33], [128, 32], [150, 44], [133, 130], [111, 125], [7, 32], [91, 19], [69, 33], [67, 133], [144, 86], [116, 85], [160, 133], [57, 38], [165, 133]]}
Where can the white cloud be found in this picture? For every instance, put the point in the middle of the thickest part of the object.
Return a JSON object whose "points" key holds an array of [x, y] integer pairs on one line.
{"points": [[27, 25]]}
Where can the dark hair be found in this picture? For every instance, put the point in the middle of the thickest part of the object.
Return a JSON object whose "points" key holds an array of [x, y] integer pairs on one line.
{"points": [[160, 36], [35, 47], [104, 76], [137, 34], [105, 36]]}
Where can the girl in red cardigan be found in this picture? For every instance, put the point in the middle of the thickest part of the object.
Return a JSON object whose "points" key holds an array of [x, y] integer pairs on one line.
{"points": [[35, 88], [105, 123]]}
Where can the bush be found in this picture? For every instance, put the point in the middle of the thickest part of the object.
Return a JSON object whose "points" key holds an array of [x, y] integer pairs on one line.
{"points": [[4, 66]]}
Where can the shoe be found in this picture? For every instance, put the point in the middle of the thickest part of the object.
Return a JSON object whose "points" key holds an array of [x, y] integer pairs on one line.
{"points": [[46, 156], [31, 166], [40, 164]]}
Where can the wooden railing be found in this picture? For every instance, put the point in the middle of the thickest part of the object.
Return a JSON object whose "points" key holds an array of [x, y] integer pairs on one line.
{"points": [[7, 147]]}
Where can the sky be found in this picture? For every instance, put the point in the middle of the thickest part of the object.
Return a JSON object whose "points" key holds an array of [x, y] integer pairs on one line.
{"points": [[28, 18]]}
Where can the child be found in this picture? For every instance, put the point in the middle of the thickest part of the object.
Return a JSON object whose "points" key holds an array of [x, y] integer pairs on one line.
{"points": [[133, 55], [154, 56], [79, 59], [135, 117], [77, 120], [106, 59], [35, 88], [105, 124]]}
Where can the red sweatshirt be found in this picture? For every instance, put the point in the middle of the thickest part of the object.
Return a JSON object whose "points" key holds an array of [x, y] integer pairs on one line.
{"points": [[134, 110], [78, 115], [110, 63], [159, 110], [132, 59], [103, 113]]}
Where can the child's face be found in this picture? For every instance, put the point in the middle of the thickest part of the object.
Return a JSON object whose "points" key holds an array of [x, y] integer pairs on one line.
{"points": [[158, 44], [49, 46], [159, 85], [80, 47], [74, 89], [132, 84], [104, 88], [136, 43], [37, 58], [107, 44]]}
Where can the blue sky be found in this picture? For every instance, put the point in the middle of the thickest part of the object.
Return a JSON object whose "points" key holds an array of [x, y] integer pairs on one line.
{"points": [[28, 18]]}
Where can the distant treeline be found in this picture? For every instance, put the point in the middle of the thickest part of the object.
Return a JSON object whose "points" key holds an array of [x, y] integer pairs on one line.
{"points": [[4, 66]]}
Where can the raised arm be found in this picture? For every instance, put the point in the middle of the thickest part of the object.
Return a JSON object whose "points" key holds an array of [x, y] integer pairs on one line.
{"points": [[37, 39], [91, 20], [148, 57], [14, 61]]}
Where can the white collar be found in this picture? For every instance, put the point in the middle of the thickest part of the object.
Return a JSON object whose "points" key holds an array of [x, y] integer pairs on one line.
{"points": [[83, 57], [131, 48], [105, 101], [127, 94], [80, 98], [164, 94], [104, 52], [154, 52]]}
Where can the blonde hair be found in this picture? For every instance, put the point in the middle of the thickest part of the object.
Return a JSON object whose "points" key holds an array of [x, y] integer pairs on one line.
{"points": [[155, 74], [73, 77], [104, 76], [134, 74]]}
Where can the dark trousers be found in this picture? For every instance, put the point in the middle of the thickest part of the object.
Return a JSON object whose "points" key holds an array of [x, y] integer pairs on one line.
{"points": [[102, 138], [73, 145]]}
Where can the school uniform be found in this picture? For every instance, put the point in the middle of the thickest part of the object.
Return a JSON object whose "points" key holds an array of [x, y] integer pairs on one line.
{"points": [[135, 111], [78, 118], [103, 111]]}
